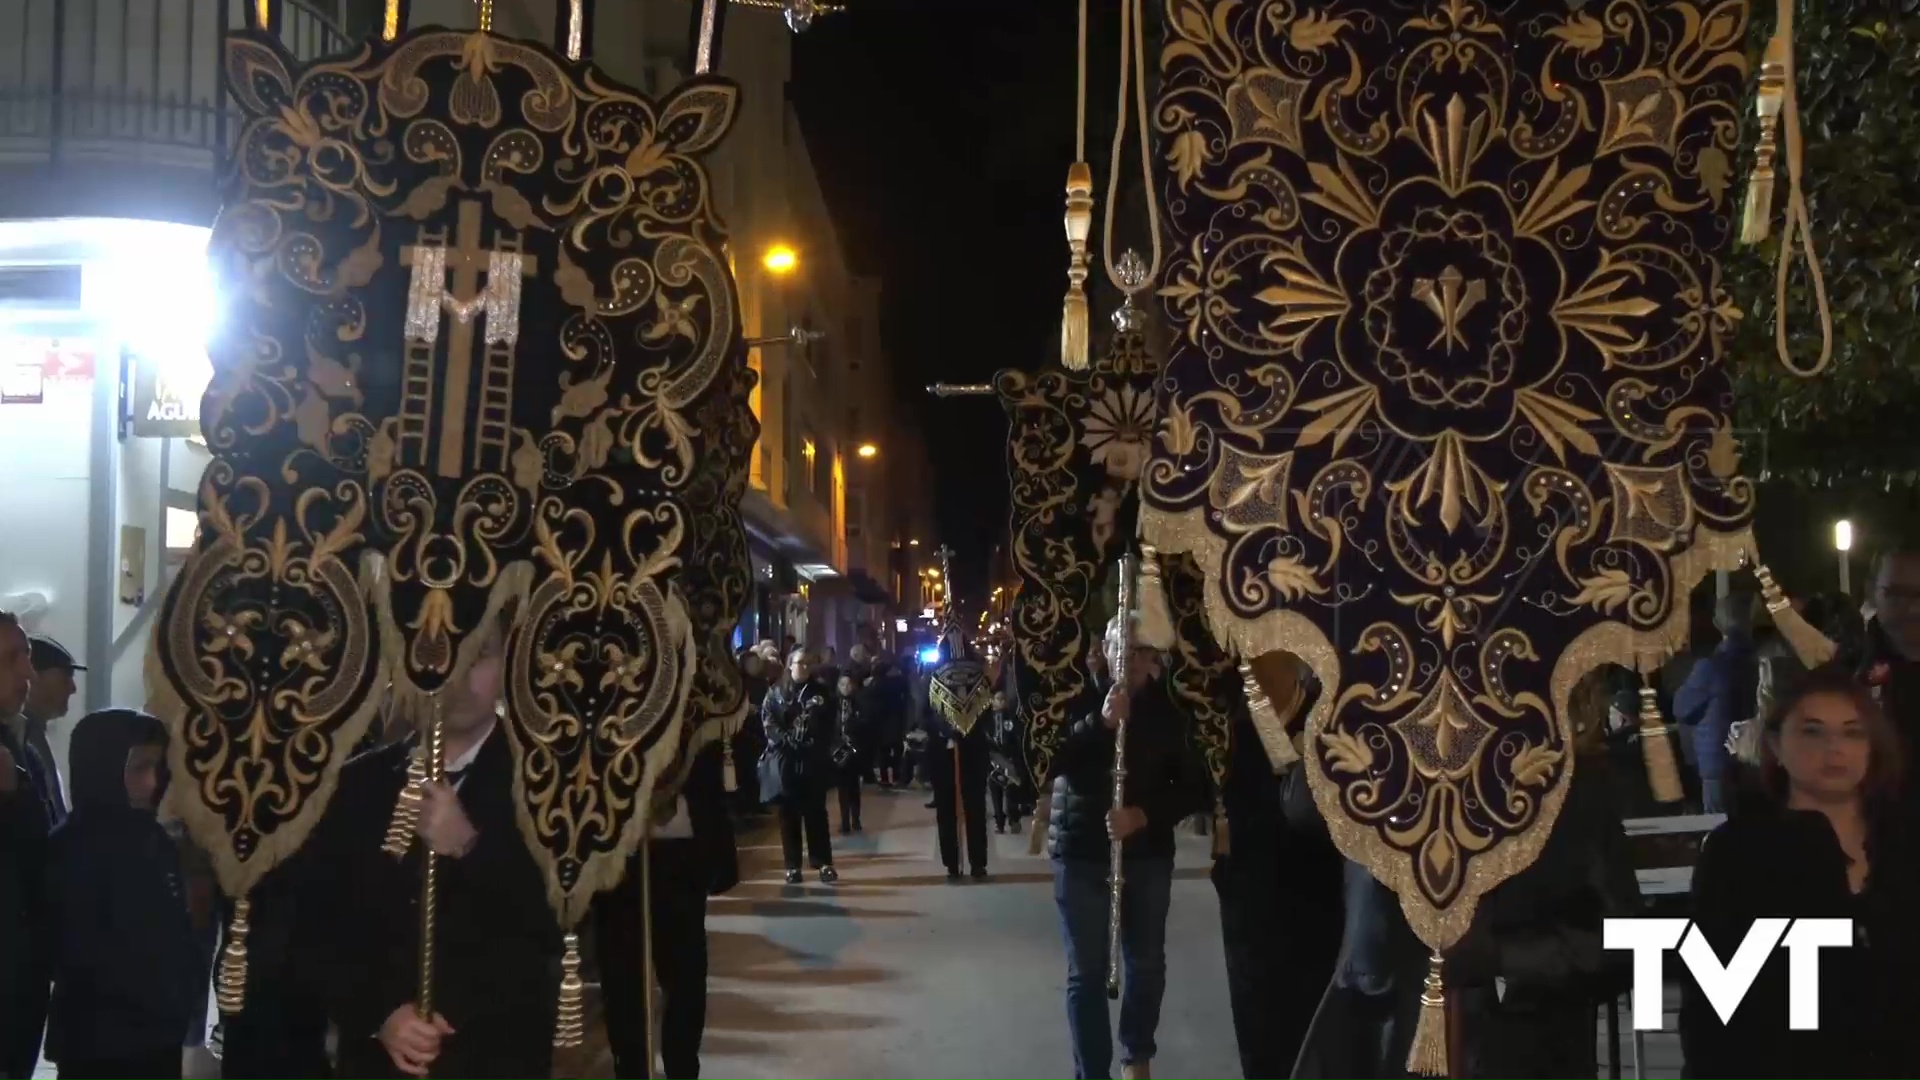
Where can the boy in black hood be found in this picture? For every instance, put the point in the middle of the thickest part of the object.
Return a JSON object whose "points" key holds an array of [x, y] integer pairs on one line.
{"points": [[124, 984]]}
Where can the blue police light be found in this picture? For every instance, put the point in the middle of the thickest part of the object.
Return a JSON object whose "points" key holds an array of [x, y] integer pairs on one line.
{"points": [[930, 654]]}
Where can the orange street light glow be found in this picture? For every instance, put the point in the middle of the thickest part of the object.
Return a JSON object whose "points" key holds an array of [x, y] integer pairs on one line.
{"points": [[780, 259]]}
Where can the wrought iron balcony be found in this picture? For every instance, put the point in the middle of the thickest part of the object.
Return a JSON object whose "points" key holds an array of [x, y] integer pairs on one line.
{"points": [[122, 86]]}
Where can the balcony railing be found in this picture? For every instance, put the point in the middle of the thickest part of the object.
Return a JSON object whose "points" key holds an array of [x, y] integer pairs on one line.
{"points": [[120, 83]]}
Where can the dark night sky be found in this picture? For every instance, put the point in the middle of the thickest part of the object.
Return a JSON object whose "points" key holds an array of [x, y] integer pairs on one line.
{"points": [[942, 131]]}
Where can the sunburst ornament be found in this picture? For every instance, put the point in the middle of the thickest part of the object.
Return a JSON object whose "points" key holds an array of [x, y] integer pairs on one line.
{"points": [[1117, 428]]}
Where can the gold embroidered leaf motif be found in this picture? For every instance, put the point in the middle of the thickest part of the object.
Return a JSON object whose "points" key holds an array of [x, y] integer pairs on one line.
{"points": [[1723, 28], [346, 528], [1560, 423], [1347, 752], [1714, 169], [578, 399], [1598, 306], [1341, 191], [1534, 764], [1339, 416], [1188, 153], [646, 158], [1607, 590], [1178, 433], [1315, 30], [1553, 202], [1192, 22], [299, 127], [1303, 299], [1291, 579], [1255, 482], [1583, 33]]}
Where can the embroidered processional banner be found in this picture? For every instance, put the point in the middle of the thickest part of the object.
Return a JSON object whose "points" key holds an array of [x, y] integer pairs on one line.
{"points": [[477, 294], [718, 575], [1076, 442], [1447, 416]]}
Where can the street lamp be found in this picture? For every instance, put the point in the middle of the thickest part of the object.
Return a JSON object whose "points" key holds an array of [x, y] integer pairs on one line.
{"points": [[868, 450], [1843, 543], [780, 260]]}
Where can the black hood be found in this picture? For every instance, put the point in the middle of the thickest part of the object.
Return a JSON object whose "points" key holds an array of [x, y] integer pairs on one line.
{"points": [[97, 756]]}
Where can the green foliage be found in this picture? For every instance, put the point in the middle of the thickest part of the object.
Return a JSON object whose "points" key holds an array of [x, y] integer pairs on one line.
{"points": [[1859, 423]]}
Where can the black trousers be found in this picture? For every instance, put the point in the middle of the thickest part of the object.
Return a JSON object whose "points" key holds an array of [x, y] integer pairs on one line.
{"points": [[678, 890], [887, 762], [808, 808], [973, 800], [1008, 803], [161, 1064], [1280, 921], [850, 777]]}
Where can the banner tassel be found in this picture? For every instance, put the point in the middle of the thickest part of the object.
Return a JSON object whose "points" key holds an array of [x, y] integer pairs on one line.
{"points": [[1428, 1054], [231, 992]]}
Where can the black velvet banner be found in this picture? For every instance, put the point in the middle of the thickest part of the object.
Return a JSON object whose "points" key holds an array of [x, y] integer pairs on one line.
{"points": [[1447, 416], [478, 309]]}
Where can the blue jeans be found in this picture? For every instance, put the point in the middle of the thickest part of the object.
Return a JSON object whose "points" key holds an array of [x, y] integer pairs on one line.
{"points": [[1080, 888]]}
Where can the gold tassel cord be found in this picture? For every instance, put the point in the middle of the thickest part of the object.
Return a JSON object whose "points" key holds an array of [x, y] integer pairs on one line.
{"points": [[486, 16], [390, 21], [1222, 842], [1428, 1054], [1133, 71], [1778, 103], [1811, 647], [1656, 747], [231, 991], [406, 809], [1075, 345], [570, 1021]]}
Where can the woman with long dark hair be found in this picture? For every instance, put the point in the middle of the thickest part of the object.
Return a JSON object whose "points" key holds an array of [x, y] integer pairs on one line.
{"points": [[797, 768], [1820, 839]]}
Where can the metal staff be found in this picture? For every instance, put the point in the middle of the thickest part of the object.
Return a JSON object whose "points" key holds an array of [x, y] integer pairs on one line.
{"points": [[1115, 875], [429, 885]]}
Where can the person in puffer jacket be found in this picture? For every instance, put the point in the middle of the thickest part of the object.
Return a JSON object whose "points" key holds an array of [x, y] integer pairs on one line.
{"points": [[1163, 788]]}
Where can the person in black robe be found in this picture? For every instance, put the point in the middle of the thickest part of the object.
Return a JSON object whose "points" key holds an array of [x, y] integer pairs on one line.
{"points": [[1279, 888], [1524, 982], [280, 1033], [962, 759], [497, 944], [692, 856]]}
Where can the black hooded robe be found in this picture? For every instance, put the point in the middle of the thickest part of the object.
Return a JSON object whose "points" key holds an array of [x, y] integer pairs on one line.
{"points": [[497, 946]]}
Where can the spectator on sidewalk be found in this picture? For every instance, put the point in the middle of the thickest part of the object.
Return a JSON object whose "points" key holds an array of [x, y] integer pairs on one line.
{"points": [[1719, 691], [125, 980]]}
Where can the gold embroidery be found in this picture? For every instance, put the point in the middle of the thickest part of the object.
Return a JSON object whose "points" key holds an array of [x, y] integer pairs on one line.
{"points": [[1445, 398]]}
